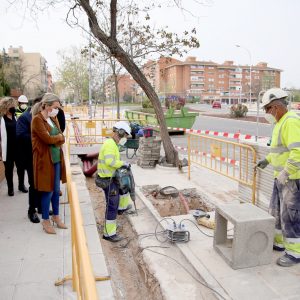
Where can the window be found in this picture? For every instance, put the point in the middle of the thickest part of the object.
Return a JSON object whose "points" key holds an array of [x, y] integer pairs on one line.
{"points": [[221, 76], [211, 79]]}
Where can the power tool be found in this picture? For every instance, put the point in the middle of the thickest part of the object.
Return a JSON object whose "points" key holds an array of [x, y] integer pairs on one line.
{"points": [[125, 180]]}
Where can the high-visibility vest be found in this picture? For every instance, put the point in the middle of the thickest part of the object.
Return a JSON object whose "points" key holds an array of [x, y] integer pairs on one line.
{"points": [[19, 112], [109, 159], [285, 146]]}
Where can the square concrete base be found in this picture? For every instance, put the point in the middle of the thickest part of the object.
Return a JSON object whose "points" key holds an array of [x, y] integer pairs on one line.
{"points": [[252, 241]]}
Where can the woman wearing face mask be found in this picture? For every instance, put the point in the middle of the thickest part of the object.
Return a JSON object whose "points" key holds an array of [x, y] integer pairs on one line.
{"points": [[8, 151], [48, 159]]}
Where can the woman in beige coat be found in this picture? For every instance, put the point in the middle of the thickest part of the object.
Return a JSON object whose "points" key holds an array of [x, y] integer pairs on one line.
{"points": [[48, 159]]}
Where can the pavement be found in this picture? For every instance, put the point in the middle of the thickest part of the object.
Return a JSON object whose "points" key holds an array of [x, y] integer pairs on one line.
{"points": [[31, 261]]}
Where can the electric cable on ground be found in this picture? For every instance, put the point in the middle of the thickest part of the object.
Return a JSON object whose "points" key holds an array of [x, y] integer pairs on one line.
{"points": [[192, 275]]}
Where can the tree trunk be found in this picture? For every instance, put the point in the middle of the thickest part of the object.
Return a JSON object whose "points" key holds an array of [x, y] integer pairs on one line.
{"points": [[117, 51], [117, 94]]}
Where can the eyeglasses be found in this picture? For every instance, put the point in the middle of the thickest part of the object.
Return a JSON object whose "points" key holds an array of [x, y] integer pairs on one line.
{"points": [[267, 108]]}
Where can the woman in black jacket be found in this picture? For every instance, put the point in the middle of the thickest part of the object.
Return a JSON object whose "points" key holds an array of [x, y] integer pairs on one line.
{"points": [[9, 143]]}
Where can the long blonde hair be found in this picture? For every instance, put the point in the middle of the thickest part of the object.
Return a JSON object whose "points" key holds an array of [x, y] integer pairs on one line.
{"points": [[5, 103], [47, 100]]}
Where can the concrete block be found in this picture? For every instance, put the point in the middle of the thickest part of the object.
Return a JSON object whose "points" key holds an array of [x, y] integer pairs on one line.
{"points": [[252, 241]]}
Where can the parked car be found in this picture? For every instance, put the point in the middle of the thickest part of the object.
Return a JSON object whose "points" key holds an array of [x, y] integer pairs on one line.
{"points": [[216, 104], [298, 106]]}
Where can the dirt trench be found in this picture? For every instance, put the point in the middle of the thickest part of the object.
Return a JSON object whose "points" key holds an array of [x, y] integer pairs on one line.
{"points": [[129, 274]]}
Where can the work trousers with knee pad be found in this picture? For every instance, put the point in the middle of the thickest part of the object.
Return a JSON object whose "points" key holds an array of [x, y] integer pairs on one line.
{"points": [[112, 197], [285, 207]]}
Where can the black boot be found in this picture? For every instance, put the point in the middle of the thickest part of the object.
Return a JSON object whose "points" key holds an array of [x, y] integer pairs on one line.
{"points": [[11, 191], [114, 238], [33, 217], [23, 189]]}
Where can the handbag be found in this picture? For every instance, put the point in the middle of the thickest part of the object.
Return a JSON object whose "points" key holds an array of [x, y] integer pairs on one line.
{"points": [[102, 182]]}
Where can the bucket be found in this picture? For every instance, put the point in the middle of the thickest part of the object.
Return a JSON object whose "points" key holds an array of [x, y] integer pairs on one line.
{"points": [[148, 132]]}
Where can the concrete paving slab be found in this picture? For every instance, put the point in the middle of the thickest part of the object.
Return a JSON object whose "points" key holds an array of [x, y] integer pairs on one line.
{"points": [[7, 292], [9, 273], [31, 261], [33, 291]]}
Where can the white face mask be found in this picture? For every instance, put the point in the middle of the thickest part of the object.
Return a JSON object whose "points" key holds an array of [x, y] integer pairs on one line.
{"points": [[123, 141], [53, 113], [270, 118], [23, 106]]}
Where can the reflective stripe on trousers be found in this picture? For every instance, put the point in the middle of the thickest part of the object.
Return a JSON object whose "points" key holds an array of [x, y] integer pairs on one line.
{"points": [[124, 201], [110, 228], [285, 207]]}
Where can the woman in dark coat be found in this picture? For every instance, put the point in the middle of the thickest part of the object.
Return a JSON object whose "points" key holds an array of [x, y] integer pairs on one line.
{"points": [[48, 159], [8, 141]]}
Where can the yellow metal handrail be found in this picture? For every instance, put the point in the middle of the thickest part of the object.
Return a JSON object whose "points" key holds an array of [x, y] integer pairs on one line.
{"points": [[83, 279], [231, 159]]}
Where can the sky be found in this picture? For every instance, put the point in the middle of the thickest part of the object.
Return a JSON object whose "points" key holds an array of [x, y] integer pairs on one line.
{"points": [[266, 30]]}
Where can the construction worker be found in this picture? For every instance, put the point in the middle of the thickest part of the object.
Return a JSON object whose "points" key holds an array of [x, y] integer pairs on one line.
{"points": [[108, 162], [22, 105], [284, 156]]}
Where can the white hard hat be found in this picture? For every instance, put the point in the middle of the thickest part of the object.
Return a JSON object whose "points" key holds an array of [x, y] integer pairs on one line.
{"points": [[123, 125], [23, 99], [273, 94]]}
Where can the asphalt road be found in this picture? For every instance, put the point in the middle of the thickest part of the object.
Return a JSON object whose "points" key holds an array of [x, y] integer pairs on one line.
{"points": [[232, 126]]}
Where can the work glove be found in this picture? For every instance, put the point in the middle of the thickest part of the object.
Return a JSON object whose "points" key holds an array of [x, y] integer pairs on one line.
{"points": [[283, 177], [262, 164], [127, 165]]}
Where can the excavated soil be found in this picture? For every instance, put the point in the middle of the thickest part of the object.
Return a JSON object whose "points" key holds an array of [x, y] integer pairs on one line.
{"points": [[172, 202], [129, 274]]}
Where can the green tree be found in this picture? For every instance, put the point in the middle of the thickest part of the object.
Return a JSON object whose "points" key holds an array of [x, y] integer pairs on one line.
{"points": [[4, 85], [109, 39], [73, 73]]}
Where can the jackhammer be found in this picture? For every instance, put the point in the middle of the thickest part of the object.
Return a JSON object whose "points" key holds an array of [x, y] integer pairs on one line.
{"points": [[125, 180]]}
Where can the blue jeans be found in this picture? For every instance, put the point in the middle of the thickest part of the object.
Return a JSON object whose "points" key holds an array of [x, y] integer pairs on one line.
{"points": [[52, 196]]}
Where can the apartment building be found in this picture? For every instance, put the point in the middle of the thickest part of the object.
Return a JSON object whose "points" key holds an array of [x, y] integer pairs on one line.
{"points": [[207, 81], [29, 72], [126, 87]]}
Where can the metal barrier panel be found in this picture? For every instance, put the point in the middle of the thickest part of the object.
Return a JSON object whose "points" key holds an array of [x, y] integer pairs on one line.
{"points": [[233, 160], [86, 132]]}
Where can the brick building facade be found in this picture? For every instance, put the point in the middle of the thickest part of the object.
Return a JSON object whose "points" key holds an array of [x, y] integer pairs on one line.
{"points": [[32, 78], [208, 81], [126, 86]]}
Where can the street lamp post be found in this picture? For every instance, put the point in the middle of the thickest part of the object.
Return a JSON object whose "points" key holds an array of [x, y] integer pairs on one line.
{"points": [[250, 70], [257, 113], [90, 77]]}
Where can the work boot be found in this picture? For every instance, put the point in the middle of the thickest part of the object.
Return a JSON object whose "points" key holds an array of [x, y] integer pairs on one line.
{"points": [[114, 238], [23, 189], [278, 248], [121, 212], [287, 260]]}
